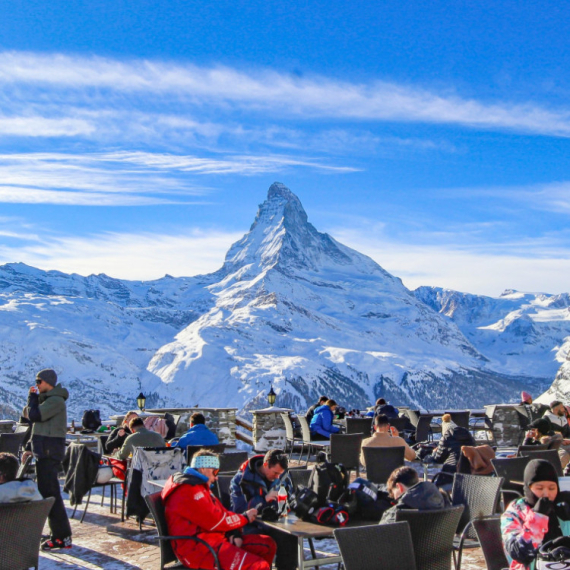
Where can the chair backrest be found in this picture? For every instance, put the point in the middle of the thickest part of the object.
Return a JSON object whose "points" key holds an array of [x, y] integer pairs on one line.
{"points": [[289, 431], [478, 494], [11, 442], [156, 507], [24, 467], [359, 425], [488, 530], [231, 462], [345, 449], [380, 546], [223, 490], [461, 418], [522, 449], [423, 428], [305, 430], [21, 526], [551, 455], [381, 461], [432, 535], [400, 423], [192, 449], [300, 477], [511, 468]]}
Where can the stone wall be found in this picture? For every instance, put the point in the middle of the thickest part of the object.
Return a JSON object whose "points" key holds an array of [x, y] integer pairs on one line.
{"points": [[507, 424], [269, 429], [222, 421]]}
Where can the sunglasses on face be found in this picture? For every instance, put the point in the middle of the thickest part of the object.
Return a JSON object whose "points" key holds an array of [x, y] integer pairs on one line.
{"points": [[38, 382], [215, 472]]}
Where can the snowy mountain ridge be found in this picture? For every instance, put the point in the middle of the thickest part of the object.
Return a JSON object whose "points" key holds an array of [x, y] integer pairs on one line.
{"points": [[290, 307]]}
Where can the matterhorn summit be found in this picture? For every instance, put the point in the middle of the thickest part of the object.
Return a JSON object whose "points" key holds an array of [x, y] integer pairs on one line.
{"points": [[290, 308], [299, 311]]}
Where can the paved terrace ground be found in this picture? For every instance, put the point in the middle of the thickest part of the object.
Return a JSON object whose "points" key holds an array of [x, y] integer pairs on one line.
{"points": [[102, 541]]}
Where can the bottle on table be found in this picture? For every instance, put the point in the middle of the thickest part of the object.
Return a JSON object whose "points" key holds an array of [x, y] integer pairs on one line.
{"points": [[282, 500], [72, 428]]}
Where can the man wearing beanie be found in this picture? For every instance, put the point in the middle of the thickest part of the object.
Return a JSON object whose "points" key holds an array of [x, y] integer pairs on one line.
{"points": [[46, 410], [543, 514]]}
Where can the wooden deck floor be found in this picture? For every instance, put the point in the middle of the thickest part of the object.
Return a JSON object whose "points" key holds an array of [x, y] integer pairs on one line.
{"points": [[102, 541]]}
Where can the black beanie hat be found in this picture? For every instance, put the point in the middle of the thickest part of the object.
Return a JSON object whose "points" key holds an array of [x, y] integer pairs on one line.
{"points": [[538, 470], [48, 375], [541, 424]]}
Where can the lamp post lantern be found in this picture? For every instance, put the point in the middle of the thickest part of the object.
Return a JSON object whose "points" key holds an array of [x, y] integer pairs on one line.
{"points": [[141, 401], [271, 397]]}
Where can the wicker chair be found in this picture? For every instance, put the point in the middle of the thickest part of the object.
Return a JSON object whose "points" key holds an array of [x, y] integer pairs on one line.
{"points": [[480, 496], [231, 462], [11, 443], [423, 428], [222, 490], [167, 555], [21, 526], [385, 547], [488, 531], [381, 461], [345, 449], [359, 425], [300, 477], [461, 418], [432, 534], [551, 455], [192, 449], [522, 449], [308, 442]]}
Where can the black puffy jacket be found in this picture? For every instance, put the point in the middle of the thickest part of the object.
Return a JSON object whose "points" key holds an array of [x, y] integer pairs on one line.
{"points": [[449, 447]]}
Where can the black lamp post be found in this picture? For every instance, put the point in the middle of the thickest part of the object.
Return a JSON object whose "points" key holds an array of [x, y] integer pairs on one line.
{"points": [[271, 397], [141, 401]]}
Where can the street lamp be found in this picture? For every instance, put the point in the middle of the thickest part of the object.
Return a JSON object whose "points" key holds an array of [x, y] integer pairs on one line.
{"points": [[141, 401], [271, 397]]}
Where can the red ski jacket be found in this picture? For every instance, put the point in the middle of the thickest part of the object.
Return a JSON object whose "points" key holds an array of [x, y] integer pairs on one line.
{"points": [[192, 509]]}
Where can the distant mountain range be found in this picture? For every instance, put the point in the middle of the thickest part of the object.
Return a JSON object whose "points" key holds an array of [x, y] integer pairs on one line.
{"points": [[292, 308]]}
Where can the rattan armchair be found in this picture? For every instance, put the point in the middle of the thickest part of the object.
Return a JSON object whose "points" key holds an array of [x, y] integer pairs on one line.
{"points": [[21, 526]]}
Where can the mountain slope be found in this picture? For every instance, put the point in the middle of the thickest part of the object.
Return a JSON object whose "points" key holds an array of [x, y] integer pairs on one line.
{"points": [[290, 307]]}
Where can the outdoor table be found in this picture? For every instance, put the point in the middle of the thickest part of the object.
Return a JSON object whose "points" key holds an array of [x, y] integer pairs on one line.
{"points": [[158, 482], [306, 530]]}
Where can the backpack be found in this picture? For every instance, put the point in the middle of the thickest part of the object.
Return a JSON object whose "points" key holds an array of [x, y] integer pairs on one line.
{"points": [[304, 502], [91, 420], [362, 499], [328, 481], [331, 514]]}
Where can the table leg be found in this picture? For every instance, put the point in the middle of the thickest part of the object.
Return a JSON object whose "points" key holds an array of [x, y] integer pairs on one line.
{"points": [[301, 552]]}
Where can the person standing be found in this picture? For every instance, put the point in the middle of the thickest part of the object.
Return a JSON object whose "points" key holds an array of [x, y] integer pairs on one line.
{"points": [[47, 412]]}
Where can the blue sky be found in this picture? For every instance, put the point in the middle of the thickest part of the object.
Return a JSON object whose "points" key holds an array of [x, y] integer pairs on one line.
{"points": [[138, 138]]}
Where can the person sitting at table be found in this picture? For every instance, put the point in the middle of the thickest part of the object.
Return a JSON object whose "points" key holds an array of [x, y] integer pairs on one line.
{"points": [[539, 432], [198, 434], [141, 437], [192, 509], [385, 436], [311, 411], [12, 490], [543, 514], [448, 450], [119, 434], [322, 423], [382, 407], [557, 417], [409, 492], [256, 485]]}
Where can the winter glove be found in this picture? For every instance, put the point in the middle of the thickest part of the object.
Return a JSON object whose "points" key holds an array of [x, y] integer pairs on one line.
{"points": [[562, 510], [544, 506]]}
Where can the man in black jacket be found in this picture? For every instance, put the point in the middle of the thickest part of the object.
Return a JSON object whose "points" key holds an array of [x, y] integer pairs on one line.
{"points": [[405, 487]]}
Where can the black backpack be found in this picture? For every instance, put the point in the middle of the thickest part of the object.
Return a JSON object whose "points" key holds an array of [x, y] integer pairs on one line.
{"points": [[91, 420], [363, 500], [328, 481]]}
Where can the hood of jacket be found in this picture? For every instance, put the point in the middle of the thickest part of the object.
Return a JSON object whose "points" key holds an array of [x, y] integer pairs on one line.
{"points": [[57, 390], [424, 496], [189, 477], [460, 435]]}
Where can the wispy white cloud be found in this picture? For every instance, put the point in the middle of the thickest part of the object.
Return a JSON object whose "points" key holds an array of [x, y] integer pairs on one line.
{"points": [[128, 256], [125, 178], [38, 126], [269, 90]]}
